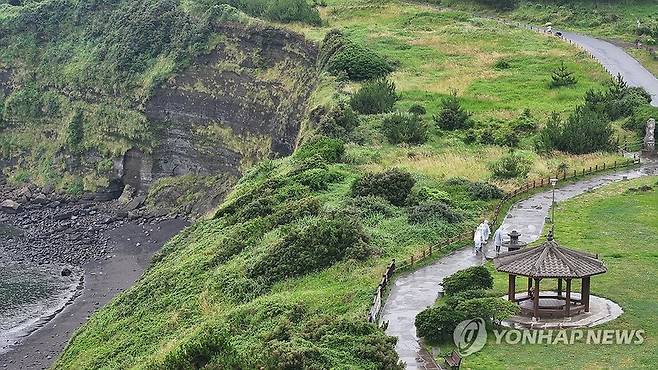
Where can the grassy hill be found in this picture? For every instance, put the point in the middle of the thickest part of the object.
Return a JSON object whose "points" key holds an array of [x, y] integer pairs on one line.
{"points": [[281, 275]]}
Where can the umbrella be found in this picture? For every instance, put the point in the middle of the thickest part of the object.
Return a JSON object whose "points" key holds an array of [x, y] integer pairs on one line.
{"points": [[548, 24]]}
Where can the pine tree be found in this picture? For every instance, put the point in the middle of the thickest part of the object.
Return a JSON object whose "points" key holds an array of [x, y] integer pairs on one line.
{"points": [[562, 77]]}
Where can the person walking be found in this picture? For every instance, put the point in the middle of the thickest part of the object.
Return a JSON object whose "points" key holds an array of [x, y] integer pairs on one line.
{"points": [[477, 240], [498, 239], [486, 231]]}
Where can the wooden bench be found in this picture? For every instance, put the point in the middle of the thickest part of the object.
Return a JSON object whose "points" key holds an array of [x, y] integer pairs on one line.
{"points": [[454, 360]]}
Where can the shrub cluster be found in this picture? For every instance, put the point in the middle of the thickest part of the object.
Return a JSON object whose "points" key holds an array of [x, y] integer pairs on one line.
{"points": [[329, 149], [472, 278], [588, 128], [312, 246], [377, 96], [434, 210], [404, 128], [339, 121], [485, 191], [514, 164], [467, 296], [562, 77], [452, 115], [393, 185], [357, 61]]}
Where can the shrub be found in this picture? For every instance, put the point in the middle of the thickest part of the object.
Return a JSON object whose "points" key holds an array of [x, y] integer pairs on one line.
{"points": [[357, 61], [426, 212], [426, 194], [515, 164], [417, 110], [75, 132], [370, 206], [525, 123], [485, 191], [638, 121], [472, 278], [457, 298], [287, 11], [317, 178], [585, 131], [311, 247], [562, 77], [437, 323], [378, 96], [453, 116], [502, 64], [329, 149], [338, 122], [492, 309], [404, 128], [393, 185]]}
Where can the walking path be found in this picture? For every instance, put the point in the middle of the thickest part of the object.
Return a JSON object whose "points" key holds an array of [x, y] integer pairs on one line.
{"points": [[413, 292]]}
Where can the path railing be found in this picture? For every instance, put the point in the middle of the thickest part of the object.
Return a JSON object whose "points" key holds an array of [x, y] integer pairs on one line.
{"points": [[427, 252]]}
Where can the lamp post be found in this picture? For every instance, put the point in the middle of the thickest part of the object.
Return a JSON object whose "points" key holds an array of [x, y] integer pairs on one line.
{"points": [[553, 183]]}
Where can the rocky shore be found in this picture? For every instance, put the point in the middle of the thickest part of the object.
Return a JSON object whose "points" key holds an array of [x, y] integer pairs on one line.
{"points": [[109, 242]]}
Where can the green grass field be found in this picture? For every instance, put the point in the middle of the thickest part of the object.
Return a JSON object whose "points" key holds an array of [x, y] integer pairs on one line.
{"points": [[612, 20], [621, 226]]}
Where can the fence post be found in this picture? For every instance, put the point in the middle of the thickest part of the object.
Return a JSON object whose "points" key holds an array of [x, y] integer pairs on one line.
{"points": [[430, 250], [597, 168], [615, 164], [603, 166], [583, 172], [412, 260], [590, 169], [542, 182], [574, 173]]}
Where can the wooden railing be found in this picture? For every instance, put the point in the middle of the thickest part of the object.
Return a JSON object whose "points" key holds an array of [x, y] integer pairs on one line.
{"points": [[427, 252]]}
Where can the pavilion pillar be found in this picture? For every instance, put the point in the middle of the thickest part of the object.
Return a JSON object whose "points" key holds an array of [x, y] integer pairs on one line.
{"points": [[584, 292], [511, 291], [529, 286], [559, 287], [535, 299], [567, 303]]}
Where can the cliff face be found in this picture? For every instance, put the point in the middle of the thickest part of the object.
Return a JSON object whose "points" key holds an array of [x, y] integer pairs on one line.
{"points": [[239, 104]]}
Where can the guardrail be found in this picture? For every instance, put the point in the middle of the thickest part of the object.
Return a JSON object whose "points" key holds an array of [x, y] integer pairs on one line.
{"points": [[425, 253]]}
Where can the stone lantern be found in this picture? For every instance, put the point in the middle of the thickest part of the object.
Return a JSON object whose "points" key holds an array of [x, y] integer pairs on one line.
{"points": [[514, 243]]}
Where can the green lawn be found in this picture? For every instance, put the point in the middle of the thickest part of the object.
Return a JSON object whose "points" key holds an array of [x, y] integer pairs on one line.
{"points": [[620, 226]]}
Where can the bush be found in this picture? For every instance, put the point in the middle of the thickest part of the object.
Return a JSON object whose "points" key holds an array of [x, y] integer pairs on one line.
{"points": [[453, 116], [525, 123], [370, 206], [500, 4], [515, 164], [287, 11], [393, 185], [638, 121], [472, 278], [429, 211], [331, 150], [492, 309], [417, 110], [311, 247], [455, 299], [404, 128], [338, 122], [585, 131], [378, 96], [426, 194], [358, 62], [317, 178], [485, 191], [437, 323], [502, 64], [75, 132], [562, 77]]}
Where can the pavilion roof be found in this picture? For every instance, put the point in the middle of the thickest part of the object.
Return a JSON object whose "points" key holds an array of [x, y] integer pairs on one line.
{"points": [[549, 260]]}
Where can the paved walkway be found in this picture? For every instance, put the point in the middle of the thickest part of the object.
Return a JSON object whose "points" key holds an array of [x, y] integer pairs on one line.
{"points": [[413, 292]]}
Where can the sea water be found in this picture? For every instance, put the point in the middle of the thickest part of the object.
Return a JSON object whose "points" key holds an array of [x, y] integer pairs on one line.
{"points": [[30, 295]]}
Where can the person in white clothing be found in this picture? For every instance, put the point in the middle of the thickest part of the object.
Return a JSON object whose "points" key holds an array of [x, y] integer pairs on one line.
{"points": [[477, 240], [486, 231], [498, 239]]}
